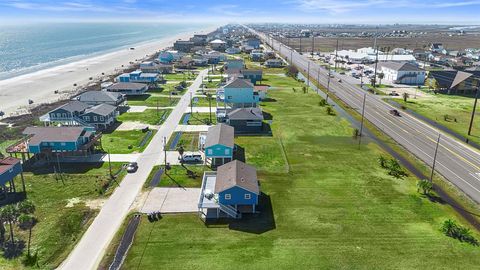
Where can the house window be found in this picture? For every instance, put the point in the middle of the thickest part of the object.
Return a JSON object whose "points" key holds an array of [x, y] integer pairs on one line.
{"points": [[248, 196], [228, 196], [229, 97], [210, 151], [87, 118], [95, 119], [64, 115], [101, 118], [227, 151], [59, 115]]}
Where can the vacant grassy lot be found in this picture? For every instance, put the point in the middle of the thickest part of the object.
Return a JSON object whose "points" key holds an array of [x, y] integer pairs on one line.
{"points": [[328, 205], [203, 102], [189, 141], [180, 76], [167, 89], [4, 145], [200, 119], [178, 176], [61, 209], [125, 141], [149, 116], [152, 101], [453, 112]]}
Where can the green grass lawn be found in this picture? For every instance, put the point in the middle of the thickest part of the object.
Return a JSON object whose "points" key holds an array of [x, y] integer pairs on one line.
{"points": [[4, 145], [167, 88], [200, 119], [59, 227], [189, 141], [180, 76], [118, 141], [212, 84], [152, 101], [203, 102], [149, 116], [456, 107], [178, 176], [332, 207]]}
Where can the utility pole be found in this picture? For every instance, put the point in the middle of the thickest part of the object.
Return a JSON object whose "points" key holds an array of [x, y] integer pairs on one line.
{"points": [[313, 44], [300, 44], [191, 104], [165, 150], [110, 165], [318, 79], [308, 75], [435, 158], [375, 73], [473, 112], [361, 124], [328, 84], [336, 55]]}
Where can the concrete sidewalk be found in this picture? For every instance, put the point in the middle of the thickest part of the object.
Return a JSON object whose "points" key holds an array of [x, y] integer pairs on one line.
{"points": [[89, 251], [192, 128]]}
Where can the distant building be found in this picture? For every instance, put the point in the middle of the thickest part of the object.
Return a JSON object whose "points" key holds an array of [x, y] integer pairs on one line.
{"points": [[199, 39], [101, 97], [253, 75], [456, 82], [233, 50], [156, 67], [129, 89], [274, 63], [402, 73], [238, 93], [256, 55], [218, 45], [183, 46], [245, 120], [234, 64], [138, 77], [436, 47], [253, 42]]}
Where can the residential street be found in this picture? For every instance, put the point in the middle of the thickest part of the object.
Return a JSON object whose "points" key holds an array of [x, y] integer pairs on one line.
{"points": [[456, 161], [91, 248]]}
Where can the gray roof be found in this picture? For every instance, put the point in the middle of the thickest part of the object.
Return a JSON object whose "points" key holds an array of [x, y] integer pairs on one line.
{"points": [[237, 173], [239, 83], [100, 96], [74, 106], [220, 134], [245, 114], [53, 134], [102, 109], [126, 86], [400, 66]]}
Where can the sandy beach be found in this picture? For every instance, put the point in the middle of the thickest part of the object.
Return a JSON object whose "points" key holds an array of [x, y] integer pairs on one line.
{"points": [[40, 86]]}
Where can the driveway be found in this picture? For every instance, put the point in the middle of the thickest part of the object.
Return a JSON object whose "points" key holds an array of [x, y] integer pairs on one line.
{"points": [[192, 128], [172, 200]]}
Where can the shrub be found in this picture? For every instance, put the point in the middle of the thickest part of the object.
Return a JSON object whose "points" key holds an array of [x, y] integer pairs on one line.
{"points": [[322, 102], [356, 133], [451, 229], [330, 111], [424, 185], [382, 161]]}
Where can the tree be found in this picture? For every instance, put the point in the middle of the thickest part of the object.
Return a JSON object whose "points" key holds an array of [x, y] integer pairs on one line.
{"points": [[424, 185], [10, 213], [181, 150], [381, 75], [405, 97], [26, 222], [292, 71], [382, 161]]}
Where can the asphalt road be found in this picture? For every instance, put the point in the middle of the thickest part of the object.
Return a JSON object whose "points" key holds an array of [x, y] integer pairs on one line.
{"points": [[456, 161], [89, 251]]}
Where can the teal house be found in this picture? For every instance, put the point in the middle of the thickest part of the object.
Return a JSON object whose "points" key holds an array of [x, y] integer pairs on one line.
{"points": [[219, 144], [238, 93], [9, 169], [59, 139]]}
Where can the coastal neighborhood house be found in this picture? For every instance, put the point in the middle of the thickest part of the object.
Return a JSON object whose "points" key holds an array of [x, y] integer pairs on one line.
{"points": [[60, 139], [76, 113], [402, 73], [101, 97], [253, 75], [156, 67], [245, 120], [238, 93], [138, 77], [129, 89], [219, 144], [9, 169], [274, 63], [231, 191], [183, 45], [218, 45], [234, 64]]}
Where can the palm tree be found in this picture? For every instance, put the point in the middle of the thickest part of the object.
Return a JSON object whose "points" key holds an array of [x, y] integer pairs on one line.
{"points": [[449, 227], [381, 75], [26, 222], [9, 213], [424, 185], [405, 97], [383, 161]]}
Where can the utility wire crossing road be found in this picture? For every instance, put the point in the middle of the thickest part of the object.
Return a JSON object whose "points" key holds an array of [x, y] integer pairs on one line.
{"points": [[457, 162]]}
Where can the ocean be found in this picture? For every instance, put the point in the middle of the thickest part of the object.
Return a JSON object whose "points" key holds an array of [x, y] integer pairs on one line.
{"points": [[30, 47]]}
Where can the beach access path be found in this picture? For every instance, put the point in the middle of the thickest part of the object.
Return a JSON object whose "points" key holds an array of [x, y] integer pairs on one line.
{"points": [[40, 86], [89, 251]]}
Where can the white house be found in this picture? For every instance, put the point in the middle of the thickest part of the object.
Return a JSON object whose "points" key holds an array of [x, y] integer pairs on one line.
{"points": [[402, 73]]}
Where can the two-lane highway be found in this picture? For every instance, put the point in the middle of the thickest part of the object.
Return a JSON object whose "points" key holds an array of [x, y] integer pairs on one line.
{"points": [[457, 162]]}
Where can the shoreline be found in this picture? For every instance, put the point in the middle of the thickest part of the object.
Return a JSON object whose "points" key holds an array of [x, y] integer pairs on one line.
{"points": [[40, 85]]}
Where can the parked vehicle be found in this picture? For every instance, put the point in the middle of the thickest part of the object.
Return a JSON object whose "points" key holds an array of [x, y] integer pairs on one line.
{"points": [[132, 167], [394, 112], [339, 80], [393, 93], [191, 158]]}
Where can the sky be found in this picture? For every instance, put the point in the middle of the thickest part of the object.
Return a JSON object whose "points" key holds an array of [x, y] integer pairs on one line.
{"points": [[224, 11]]}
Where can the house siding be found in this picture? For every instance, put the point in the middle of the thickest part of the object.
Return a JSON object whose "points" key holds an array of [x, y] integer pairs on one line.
{"points": [[218, 151], [10, 174], [237, 197]]}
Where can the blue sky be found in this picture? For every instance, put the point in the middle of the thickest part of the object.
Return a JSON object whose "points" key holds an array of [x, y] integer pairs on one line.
{"points": [[302, 11]]}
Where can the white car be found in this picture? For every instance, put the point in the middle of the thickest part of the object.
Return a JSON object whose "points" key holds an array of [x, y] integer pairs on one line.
{"points": [[191, 158]]}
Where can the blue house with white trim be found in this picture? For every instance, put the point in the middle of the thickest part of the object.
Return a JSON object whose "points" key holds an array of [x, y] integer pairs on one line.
{"points": [[138, 77], [219, 144], [238, 93], [230, 192]]}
